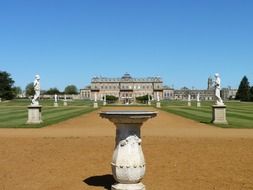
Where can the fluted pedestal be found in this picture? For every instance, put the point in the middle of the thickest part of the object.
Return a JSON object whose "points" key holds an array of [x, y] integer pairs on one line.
{"points": [[128, 163]]}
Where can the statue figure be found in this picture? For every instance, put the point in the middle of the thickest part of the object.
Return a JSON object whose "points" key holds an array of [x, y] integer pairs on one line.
{"points": [[217, 86], [158, 97], [198, 97], [36, 86], [189, 97], [95, 98], [55, 98]]}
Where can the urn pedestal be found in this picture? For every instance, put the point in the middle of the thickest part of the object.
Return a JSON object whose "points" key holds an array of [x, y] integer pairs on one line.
{"points": [[219, 114], [128, 163], [34, 114]]}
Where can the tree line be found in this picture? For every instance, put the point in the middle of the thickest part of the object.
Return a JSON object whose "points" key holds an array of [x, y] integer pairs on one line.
{"points": [[9, 91]]}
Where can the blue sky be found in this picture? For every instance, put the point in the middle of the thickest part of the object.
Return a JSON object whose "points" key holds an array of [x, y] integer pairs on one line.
{"points": [[70, 41]]}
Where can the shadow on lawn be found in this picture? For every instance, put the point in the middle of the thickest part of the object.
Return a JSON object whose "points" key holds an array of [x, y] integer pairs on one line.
{"points": [[105, 181]]}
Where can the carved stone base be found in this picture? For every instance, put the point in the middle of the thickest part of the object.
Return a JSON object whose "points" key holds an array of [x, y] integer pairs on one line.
{"points": [[158, 104], [189, 104], [219, 114], [119, 186], [65, 103], [104, 103], [198, 104], [56, 104], [149, 103], [95, 105], [34, 115]]}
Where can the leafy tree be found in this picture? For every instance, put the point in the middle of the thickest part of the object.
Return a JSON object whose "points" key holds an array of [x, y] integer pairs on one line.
{"points": [[111, 99], [143, 99], [71, 89], [6, 86], [243, 90], [29, 89], [17, 91], [52, 91]]}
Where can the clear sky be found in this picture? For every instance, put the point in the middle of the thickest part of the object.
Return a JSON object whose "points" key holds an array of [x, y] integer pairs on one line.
{"points": [[70, 41]]}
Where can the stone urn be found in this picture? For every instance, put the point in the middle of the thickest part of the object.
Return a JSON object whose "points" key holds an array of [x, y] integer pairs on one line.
{"points": [[128, 163]]}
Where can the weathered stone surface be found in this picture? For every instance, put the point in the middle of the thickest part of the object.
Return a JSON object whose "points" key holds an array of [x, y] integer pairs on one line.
{"points": [[219, 114], [34, 114]]}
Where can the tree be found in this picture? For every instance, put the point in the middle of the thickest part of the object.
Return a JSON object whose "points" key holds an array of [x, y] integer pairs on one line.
{"points": [[111, 99], [29, 89], [143, 99], [17, 91], [243, 90], [52, 91], [6, 86], [251, 93], [71, 89]]}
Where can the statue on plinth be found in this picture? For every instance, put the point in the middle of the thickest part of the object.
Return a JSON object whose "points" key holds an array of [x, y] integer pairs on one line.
{"points": [[217, 86], [36, 86]]}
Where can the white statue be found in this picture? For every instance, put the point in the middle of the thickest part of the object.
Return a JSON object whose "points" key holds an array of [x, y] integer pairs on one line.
{"points": [[65, 97], [198, 97], [158, 97], [217, 86], [36, 86], [55, 98], [95, 98], [189, 97]]}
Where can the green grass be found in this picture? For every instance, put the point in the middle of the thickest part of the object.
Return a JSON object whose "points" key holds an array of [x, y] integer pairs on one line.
{"points": [[13, 114], [239, 114]]}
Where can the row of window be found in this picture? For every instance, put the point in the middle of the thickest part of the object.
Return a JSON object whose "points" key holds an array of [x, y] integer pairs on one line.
{"points": [[125, 87]]}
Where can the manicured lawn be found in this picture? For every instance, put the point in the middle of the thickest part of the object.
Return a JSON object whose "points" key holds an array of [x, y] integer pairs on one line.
{"points": [[239, 114], [13, 114]]}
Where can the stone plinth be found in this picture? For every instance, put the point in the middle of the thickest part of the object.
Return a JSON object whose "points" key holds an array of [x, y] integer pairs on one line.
{"points": [[219, 114], [95, 105], [34, 114], [104, 103], [198, 104], [65, 103], [158, 104], [189, 104], [128, 163], [149, 103], [56, 104]]}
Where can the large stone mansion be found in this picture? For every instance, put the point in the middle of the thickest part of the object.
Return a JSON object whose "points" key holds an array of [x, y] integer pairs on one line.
{"points": [[127, 88]]}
